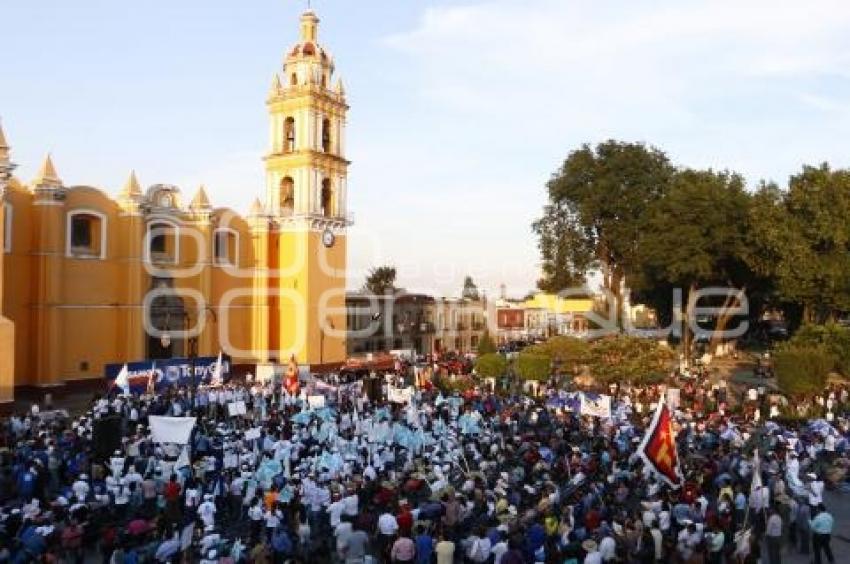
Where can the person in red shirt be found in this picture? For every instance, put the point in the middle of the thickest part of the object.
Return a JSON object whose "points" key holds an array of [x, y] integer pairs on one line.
{"points": [[592, 519], [404, 518], [172, 499]]}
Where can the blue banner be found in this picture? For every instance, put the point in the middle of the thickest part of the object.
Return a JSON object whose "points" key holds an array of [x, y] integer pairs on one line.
{"points": [[167, 373]]}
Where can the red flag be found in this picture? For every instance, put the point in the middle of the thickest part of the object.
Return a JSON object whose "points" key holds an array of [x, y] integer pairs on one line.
{"points": [[658, 448]]}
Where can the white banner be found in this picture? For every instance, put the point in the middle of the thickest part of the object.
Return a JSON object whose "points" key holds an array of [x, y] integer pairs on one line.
{"points": [[171, 429], [252, 434], [399, 395], [595, 405], [316, 402], [236, 408], [674, 398]]}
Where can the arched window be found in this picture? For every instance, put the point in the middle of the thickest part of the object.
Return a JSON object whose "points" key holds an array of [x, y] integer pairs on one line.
{"points": [[85, 235], [293, 79], [326, 135], [289, 135], [287, 194], [163, 241], [327, 198], [226, 246], [324, 80]]}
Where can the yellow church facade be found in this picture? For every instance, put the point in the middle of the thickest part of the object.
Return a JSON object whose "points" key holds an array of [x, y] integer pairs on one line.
{"points": [[88, 280]]}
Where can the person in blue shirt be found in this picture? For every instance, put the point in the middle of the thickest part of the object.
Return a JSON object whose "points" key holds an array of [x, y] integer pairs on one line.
{"points": [[424, 546], [26, 484], [821, 527]]}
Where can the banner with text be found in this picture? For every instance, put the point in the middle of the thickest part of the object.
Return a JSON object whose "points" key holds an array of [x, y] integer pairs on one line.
{"points": [[166, 373]]}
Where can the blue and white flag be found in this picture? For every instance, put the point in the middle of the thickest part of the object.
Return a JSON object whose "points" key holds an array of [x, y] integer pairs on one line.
{"points": [[596, 405], [123, 380]]}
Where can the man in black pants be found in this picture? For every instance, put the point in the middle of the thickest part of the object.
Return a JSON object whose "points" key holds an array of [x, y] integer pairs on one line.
{"points": [[821, 532]]}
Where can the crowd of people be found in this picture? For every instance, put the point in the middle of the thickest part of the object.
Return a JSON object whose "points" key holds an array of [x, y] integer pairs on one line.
{"points": [[426, 477]]}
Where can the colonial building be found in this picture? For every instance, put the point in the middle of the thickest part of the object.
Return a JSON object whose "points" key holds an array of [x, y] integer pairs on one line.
{"points": [[87, 279], [459, 324], [401, 321]]}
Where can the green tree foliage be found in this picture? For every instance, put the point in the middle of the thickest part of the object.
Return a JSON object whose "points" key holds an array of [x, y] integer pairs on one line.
{"points": [[491, 365], [486, 344], [802, 369], [696, 236], [598, 202], [470, 290], [568, 354], [532, 366], [381, 280], [801, 239], [834, 338], [626, 358]]}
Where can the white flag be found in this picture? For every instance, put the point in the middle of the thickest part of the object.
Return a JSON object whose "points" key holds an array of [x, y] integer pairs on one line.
{"points": [[216, 375], [123, 379]]}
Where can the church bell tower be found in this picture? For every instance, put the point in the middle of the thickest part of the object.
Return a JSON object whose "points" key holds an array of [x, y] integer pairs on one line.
{"points": [[306, 194]]}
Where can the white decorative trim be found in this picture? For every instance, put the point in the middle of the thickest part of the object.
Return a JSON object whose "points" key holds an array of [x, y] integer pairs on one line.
{"points": [[104, 223], [146, 244], [8, 215], [230, 261]]}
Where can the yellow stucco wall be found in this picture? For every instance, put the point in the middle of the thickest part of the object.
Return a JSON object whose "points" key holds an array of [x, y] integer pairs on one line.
{"points": [[555, 304]]}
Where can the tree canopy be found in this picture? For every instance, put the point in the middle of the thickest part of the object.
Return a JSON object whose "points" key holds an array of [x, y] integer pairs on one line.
{"points": [[381, 280], [625, 358], [532, 366], [598, 203], [491, 365], [624, 211]]}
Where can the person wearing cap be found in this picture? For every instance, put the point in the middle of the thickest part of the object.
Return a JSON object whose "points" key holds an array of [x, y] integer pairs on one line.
{"points": [[821, 526]]}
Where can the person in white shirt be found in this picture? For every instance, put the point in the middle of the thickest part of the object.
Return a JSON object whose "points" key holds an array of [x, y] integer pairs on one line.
{"points": [[335, 510], [387, 524], [81, 488], [478, 549], [815, 490], [206, 511], [351, 502], [116, 464], [500, 548], [607, 548], [273, 518], [592, 555]]}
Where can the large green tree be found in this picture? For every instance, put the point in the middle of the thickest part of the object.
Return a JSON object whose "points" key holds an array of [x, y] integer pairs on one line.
{"points": [[696, 237], [380, 280], [801, 240], [598, 201]]}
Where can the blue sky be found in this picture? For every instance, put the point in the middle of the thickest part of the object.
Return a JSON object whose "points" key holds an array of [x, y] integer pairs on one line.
{"points": [[460, 110]]}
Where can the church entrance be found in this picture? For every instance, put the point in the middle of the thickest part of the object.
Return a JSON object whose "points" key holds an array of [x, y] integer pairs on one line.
{"points": [[167, 314]]}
